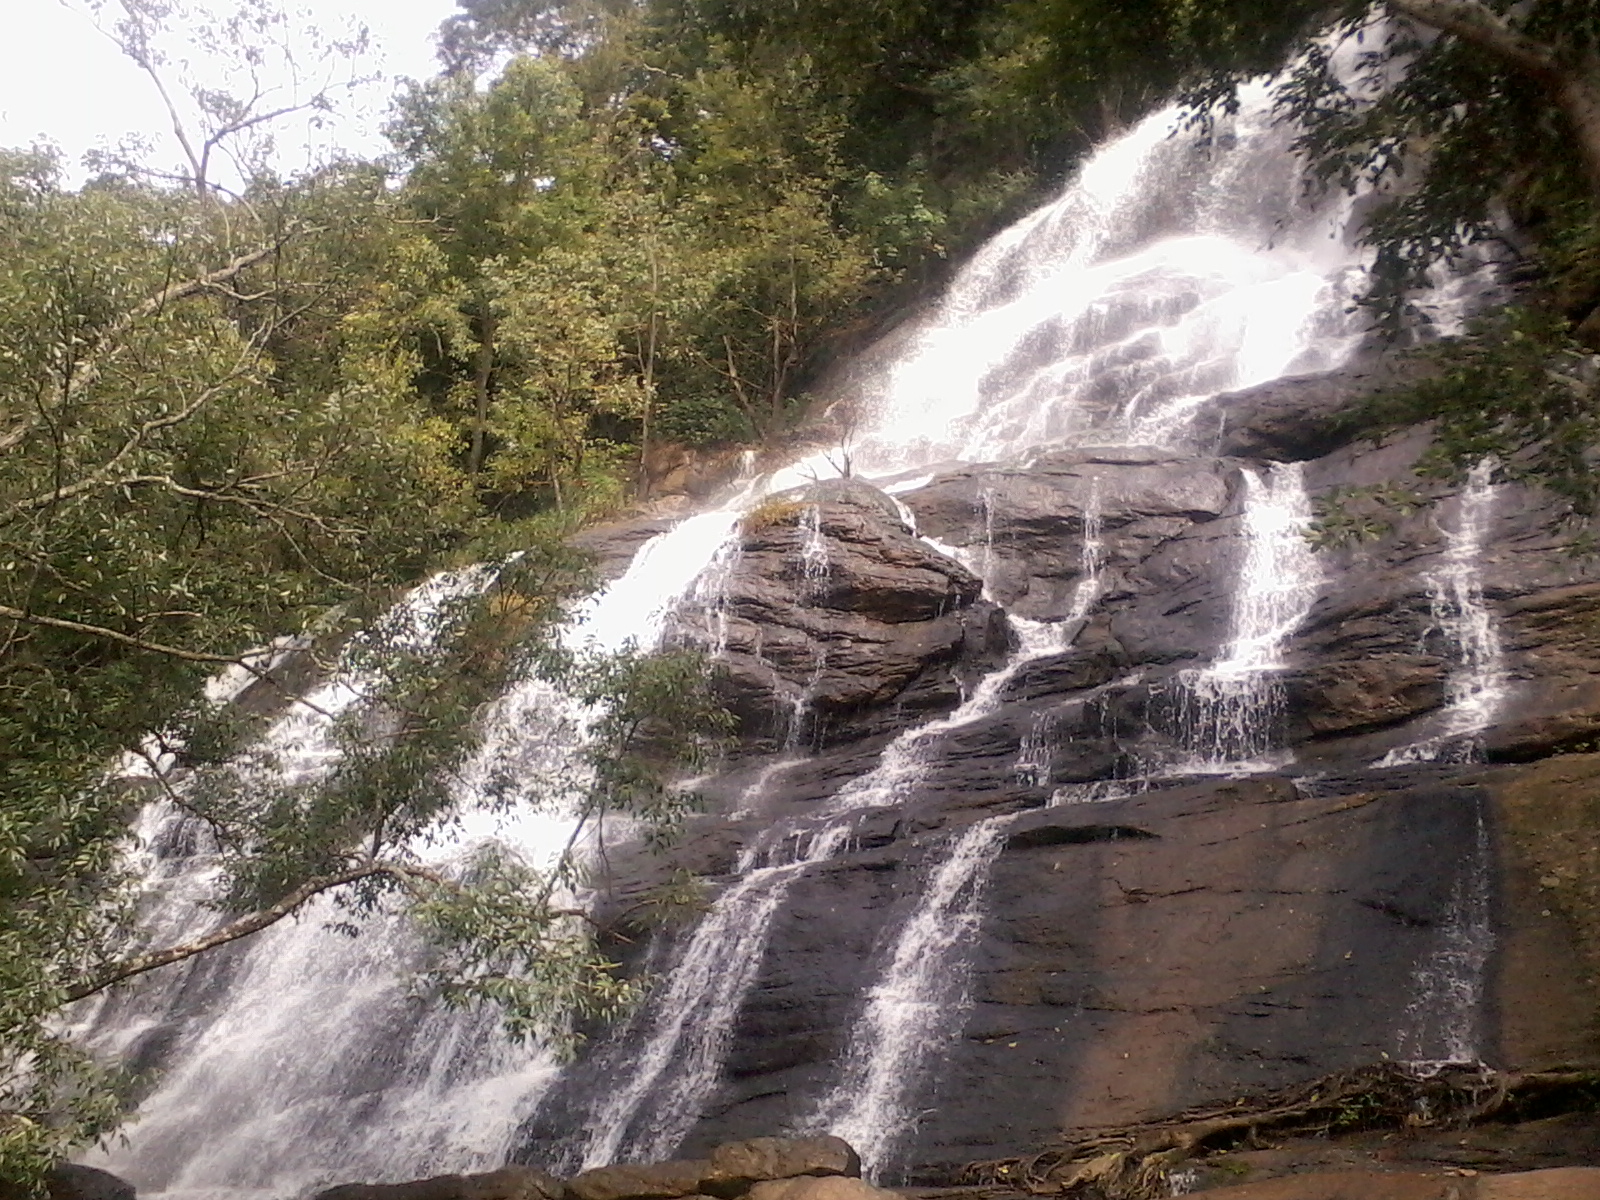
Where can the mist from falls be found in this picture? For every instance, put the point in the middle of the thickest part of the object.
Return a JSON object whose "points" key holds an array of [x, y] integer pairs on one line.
{"points": [[1163, 274]]}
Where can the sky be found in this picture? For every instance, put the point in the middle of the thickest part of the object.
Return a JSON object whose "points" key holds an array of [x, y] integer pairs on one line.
{"points": [[63, 81]]}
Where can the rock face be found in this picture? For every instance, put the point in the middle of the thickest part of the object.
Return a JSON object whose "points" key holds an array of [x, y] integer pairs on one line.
{"points": [[1566, 1183], [767, 1168], [70, 1181], [835, 622], [1150, 929]]}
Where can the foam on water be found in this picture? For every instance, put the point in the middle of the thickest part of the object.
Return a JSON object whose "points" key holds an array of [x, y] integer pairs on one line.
{"points": [[1163, 274]]}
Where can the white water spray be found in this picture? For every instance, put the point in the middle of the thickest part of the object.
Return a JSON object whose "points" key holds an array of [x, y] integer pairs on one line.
{"points": [[917, 1007], [1226, 714], [266, 1066], [648, 1115]]}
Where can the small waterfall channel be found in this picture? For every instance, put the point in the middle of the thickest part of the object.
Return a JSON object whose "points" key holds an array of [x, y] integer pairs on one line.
{"points": [[1163, 274], [1226, 715], [1478, 685]]}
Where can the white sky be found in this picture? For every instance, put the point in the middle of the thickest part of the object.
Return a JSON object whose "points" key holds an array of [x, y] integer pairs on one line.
{"points": [[63, 81]]}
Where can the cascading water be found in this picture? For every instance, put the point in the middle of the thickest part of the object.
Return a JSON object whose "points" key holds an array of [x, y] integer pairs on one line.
{"points": [[306, 1055], [669, 1079], [917, 1006], [1479, 684], [1038, 744], [1163, 274], [1441, 1025], [1226, 714]]}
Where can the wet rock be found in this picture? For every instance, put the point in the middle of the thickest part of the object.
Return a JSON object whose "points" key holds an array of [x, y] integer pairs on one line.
{"points": [[614, 544], [737, 1165], [1305, 416], [834, 612], [70, 1181], [833, 1187], [1339, 698], [508, 1183], [1025, 526], [653, 1181]]}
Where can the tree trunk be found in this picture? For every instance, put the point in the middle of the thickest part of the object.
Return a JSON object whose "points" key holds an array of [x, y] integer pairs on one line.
{"points": [[481, 380], [1579, 98], [1574, 89]]}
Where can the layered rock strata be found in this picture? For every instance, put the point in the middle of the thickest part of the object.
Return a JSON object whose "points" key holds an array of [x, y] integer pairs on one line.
{"points": [[1149, 939]]}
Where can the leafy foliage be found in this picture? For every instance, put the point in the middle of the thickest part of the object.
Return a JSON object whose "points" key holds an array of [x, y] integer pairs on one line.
{"points": [[1347, 515], [1515, 388]]}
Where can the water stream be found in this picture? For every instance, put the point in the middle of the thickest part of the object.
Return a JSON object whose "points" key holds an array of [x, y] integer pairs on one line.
{"points": [[916, 1008], [1479, 684], [1226, 715], [1164, 273]]}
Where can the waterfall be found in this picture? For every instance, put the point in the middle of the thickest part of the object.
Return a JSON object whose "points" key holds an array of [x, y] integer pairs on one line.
{"points": [[917, 1007], [1479, 684], [303, 1054], [1163, 273], [669, 1078], [1091, 557], [1226, 714]]}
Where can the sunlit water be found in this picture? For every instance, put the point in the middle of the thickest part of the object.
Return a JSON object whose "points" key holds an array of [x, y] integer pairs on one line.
{"points": [[1163, 274]]}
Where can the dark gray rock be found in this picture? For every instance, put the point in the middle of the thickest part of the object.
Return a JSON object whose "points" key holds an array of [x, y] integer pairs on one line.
{"points": [[70, 1181], [873, 626], [1306, 416], [1024, 527], [648, 1181]]}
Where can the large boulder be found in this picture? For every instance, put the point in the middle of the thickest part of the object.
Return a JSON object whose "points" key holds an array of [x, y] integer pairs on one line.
{"points": [[1307, 416], [834, 620], [737, 1165], [69, 1181], [833, 1187], [651, 1181], [508, 1183]]}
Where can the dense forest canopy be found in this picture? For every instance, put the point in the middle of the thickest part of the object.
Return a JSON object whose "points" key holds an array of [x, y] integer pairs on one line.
{"points": [[608, 226]]}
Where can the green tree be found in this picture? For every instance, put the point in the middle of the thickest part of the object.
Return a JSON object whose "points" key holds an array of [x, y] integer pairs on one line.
{"points": [[499, 176], [213, 437]]}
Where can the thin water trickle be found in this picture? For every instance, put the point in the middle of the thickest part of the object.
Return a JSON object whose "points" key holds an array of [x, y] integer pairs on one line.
{"points": [[918, 1005], [669, 1078], [1479, 684], [813, 551], [1442, 1024]]}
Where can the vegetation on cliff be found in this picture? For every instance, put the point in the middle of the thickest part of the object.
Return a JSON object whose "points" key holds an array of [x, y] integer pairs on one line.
{"points": [[230, 411]]}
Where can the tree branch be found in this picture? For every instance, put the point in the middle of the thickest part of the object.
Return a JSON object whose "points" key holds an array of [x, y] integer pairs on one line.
{"points": [[101, 474], [106, 343], [126, 639], [244, 926], [1472, 22]]}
